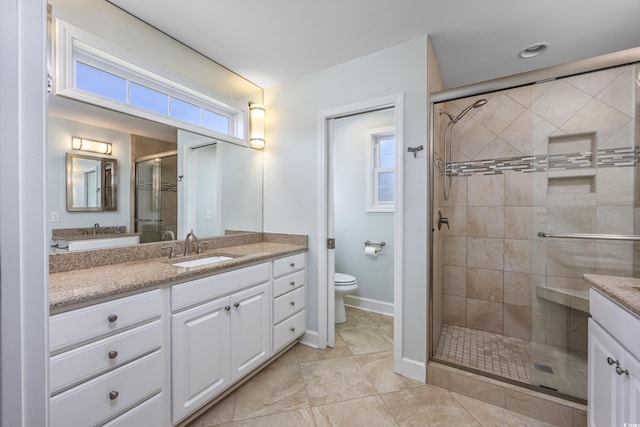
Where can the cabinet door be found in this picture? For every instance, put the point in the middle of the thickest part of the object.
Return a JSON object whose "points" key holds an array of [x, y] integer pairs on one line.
{"points": [[250, 329], [631, 402], [200, 349], [604, 386]]}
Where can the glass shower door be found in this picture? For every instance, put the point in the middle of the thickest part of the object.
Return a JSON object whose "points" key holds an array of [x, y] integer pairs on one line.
{"points": [[156, 199]]}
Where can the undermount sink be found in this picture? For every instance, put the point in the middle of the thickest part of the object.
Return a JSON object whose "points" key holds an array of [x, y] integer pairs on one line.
{"points": [[201, 261]]}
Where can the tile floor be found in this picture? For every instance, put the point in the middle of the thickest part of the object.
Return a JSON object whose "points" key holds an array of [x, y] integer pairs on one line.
{"points": [[351, 385], [513, 358]]}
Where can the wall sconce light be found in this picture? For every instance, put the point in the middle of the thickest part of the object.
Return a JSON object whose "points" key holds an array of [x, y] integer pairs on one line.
{"points": [[256, 125], [89, 145]]}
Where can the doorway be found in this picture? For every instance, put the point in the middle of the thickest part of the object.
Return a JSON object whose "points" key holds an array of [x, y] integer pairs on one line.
{"points": [[327, 222]]}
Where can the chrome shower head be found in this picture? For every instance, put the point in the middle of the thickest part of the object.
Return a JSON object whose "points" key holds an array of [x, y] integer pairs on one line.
{"points": [[477, 104]]}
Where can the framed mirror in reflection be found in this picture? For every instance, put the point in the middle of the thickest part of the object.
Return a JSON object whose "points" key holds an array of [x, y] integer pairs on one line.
{"points": [[91, 183]]}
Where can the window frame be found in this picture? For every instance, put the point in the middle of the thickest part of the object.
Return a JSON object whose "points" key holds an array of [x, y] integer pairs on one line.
{"points": [[75, 45], [373, 138]]}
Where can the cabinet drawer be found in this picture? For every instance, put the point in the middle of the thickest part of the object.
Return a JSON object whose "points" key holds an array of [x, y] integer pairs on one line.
{"points": [[288, 283], [108, 395], [288, 304], [288, 330], [208, 288], [78, 326], [148, 413], [74, 366], [288, 264]]}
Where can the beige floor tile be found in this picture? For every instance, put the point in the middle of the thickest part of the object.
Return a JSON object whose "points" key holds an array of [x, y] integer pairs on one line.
{"points": [[365, 412], [341, 349], [299, 418], [219, 415], [490, 415], [273, 390], [356, 319], [366, 340], [334, 380], [378, 367], [427, 405]]}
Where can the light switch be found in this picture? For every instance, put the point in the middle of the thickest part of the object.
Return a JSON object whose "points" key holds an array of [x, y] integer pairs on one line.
{"points": [[207, 214]]}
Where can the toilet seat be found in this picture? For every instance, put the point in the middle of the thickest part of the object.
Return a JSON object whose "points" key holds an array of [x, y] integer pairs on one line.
{"points": [[342, 279]]}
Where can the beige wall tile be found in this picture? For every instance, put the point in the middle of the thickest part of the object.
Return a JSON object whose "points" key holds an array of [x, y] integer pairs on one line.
{"points": [[485, 222], [455, 251], [457, 194], [614, 219], [517, 223], [556, 325], [597, 116], [485, 284], [500, 113], [579, 418], [559, 103], [481, 390], [485, 253], [517, 321], [455, 280], [485, 190], [457, 217], [455, 309], [438, 375], [518, 133], [517, 255], [518, 189], [485, 315], [615, 186], [517, 288], [470, 137]]}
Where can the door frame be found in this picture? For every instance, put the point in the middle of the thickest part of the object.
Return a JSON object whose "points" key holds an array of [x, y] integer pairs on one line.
{"points": [[326, 292]]}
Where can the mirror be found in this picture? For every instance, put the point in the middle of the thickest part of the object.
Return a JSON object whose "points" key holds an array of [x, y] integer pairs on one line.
{"points": [[91, 183]]}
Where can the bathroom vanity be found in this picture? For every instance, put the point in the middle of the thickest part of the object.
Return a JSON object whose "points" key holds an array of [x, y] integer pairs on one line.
{"points": [[614, 351], [150, 343]]}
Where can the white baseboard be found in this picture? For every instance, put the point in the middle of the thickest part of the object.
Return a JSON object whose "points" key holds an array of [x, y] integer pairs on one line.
{"points": [[310, 338], [414, 370], [369, 304]]}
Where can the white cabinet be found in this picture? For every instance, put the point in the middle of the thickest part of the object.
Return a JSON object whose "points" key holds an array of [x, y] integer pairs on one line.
{"points": [[289, 317], [215, 343], [106, 361], [614, 369]]}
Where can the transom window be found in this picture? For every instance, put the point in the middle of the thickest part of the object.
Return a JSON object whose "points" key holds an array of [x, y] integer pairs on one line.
{"points": [[92, 70]]}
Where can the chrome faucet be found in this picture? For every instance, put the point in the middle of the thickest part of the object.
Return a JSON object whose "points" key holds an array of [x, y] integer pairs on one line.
{"points": [[96, 227], [187, 248]]}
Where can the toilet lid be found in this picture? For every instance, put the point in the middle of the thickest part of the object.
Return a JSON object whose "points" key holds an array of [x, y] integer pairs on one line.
{"points": [[344, 279]]}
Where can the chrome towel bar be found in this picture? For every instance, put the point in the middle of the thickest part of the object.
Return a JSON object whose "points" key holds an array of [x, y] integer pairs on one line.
{"points": [[627, 237]]}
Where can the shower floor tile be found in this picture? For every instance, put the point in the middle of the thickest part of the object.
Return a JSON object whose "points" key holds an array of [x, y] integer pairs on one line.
{"points": [[514, 358]]}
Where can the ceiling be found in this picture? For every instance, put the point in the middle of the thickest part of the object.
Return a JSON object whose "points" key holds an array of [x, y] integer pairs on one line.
{"points": [[269, 42]]}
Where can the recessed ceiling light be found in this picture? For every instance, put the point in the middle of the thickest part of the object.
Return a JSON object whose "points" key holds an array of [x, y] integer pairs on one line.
{"points": [[533, 50]]}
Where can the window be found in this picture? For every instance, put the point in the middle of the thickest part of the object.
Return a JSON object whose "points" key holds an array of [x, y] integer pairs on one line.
{"points": [[381, 172], [94, 71]]}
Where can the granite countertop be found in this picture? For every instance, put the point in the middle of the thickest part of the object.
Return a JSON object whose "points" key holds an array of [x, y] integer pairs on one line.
{"points": [[85, 285], [624, 290], [92, 236]]}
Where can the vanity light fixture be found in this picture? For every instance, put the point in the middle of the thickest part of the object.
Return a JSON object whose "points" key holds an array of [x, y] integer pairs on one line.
{"points": [[256, 125], [90, 145]]}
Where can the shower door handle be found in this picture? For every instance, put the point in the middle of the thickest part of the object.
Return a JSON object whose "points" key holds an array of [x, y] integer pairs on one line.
{"points": [[442, 220]]}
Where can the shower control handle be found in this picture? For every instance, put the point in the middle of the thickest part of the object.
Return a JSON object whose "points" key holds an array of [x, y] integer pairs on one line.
{"points": [[442, 220]]}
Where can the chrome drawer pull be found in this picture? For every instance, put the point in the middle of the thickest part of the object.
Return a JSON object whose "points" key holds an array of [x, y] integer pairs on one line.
{"points": [[612, 362], [292, 283], [227, 308], [292, 303], [292, 265], [112, 318], [236, 305], [113, 354], [292, 329], [113, 395], [621, 371]]}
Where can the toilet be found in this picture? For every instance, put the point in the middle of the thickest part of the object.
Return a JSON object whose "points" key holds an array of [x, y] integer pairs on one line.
{"points": [[345, 284]]}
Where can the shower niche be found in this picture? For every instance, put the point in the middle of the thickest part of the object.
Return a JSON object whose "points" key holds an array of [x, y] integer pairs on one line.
{"points": [[572, 166]]}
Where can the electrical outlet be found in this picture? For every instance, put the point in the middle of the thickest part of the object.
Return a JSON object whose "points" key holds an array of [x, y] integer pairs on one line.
{"points": [[55, 216]]}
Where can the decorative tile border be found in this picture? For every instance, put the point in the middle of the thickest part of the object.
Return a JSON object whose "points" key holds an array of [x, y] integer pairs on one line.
{"points": [[605, 158]]}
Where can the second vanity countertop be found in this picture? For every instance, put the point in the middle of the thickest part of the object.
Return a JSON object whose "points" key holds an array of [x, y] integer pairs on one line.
{"points": [[85, 285], [624, 290]]}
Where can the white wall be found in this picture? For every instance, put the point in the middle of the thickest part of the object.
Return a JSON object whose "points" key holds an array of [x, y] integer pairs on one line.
{"points": [[59, 136], [291, 163], [353, 224]]}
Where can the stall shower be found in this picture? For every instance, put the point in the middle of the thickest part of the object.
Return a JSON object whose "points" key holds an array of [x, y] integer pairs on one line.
{"points": [[558, 158]]}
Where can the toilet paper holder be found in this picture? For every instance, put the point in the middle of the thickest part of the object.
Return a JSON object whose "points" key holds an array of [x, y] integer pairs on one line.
{"points": [[378, 246]]}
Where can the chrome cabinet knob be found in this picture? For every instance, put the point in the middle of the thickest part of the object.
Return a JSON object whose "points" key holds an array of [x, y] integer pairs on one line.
{"points": [[292, 265], [113, 354], [612, 362], [292, 283], [236, 305], [112, 318], [113, 395], [292, 329], [621, 371], [292, 303], [227, 308]]}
